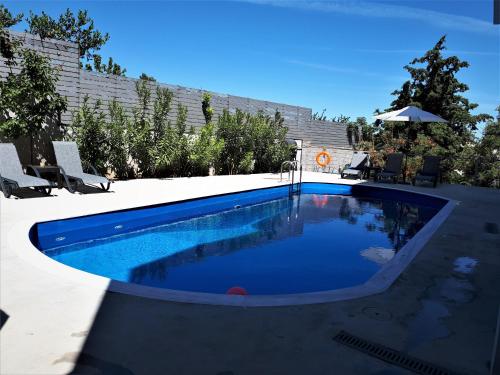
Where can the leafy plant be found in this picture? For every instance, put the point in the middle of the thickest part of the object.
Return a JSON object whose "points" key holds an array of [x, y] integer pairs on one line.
{"points": [[205, 151], [208, 111], [434, 88], [78, 29], [118, 129], [140, 136], [28, 99], [319, 116], [89, 131], [252, 143], [487, 155], [8, 46]]}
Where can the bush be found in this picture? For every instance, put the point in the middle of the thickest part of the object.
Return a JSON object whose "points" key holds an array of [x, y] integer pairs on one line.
{"points": [[118, 129], [89, 131], [252, 143], [240, 143], [205, 151], [171, 154]]}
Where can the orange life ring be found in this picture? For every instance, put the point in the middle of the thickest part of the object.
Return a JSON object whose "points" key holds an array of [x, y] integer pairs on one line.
{"points": [[327, 159]]}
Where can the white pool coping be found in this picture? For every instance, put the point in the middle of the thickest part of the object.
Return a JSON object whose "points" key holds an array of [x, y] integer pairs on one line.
{"points": [[378, 283]]}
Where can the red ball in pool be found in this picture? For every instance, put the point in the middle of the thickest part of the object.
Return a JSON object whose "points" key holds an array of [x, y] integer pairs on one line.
{"points": [[237, 291]]}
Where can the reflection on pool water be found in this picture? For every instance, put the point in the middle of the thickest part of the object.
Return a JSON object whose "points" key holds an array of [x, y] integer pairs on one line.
{"points": [[307, 243]]}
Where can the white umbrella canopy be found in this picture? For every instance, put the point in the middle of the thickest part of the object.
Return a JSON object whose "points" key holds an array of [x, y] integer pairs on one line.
{"points": [[410, 114]]}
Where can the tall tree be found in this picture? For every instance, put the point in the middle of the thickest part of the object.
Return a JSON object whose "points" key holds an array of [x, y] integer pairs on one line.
{"points": [[434, 87], [487, 155], [8, 46], [78, 29], [29, 99]]}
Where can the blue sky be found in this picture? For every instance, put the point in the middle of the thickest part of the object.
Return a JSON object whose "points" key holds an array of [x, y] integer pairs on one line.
{"points": [[345, 56]]}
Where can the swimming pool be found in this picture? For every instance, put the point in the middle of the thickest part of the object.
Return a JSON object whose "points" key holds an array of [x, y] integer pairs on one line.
{"points": [[328, 237]]}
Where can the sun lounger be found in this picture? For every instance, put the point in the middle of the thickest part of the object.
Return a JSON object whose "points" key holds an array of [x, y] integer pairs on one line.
{"points": [[392, 168], [70, 164], [430, 170], [12, 175], [359, 162]]}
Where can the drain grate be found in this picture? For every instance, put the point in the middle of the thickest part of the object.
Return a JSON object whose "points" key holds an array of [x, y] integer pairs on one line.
{"points": [[390, 355]]}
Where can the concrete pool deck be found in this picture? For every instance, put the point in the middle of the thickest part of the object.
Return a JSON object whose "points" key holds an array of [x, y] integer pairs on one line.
{"points": [[442, 309]]}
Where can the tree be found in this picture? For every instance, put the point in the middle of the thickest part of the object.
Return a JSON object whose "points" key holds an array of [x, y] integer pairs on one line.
{"points": [[487, 155], [28, 99], [78, 29], [8, 46], [434, 88]]}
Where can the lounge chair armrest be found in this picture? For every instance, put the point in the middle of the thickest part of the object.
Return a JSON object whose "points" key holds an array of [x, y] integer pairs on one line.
{"points": [[34, 169], [94, 170]]}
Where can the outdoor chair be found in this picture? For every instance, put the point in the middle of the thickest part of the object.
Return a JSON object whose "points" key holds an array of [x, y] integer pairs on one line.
{"points": [[12, 176], [392, 168], [70, 165], [430, 170], [357, 167]]}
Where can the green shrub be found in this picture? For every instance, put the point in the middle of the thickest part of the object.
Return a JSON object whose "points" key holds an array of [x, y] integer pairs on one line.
{"points": [[140, 137], [118, 129], [205, 150], [89, 131], [252, 143], [171, 153]]}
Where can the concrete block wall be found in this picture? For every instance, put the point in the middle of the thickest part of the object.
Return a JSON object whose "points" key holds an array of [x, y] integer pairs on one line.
{"points": [[339, 158], [76, 84]]}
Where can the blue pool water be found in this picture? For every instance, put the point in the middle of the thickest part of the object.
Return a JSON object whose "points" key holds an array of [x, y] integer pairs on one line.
{"points": [[328, 237]]}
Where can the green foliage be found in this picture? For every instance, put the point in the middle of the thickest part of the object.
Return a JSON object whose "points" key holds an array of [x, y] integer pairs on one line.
{"points": [[319, 116], [171, 154], [341, 118], [359, 132], [487, 153], [141, 132], [8, 46], [28, 99], [103, 141], [77, 29], [205, 151], [109, 68], [252, 143], [118, 129], [161, 109], [208, 111], [233, 130], [145, 77], [434, 88], [89, 131]]}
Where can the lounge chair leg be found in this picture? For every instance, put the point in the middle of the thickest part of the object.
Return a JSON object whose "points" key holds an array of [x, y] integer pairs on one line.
{"points": [[105, 188], [7, 190]]}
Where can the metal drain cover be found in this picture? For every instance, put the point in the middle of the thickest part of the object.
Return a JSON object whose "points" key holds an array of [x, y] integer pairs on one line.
{"points": [[389, 355], [377, 314]]}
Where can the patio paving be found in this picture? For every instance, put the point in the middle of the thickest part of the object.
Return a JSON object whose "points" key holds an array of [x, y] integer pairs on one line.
{"points": [[442, 309]]}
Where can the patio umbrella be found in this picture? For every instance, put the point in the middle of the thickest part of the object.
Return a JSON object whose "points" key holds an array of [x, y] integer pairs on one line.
{"points": [[409, 114]]}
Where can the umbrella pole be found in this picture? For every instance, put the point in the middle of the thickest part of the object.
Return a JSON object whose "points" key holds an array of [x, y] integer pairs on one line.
{"points": [[406, 152]]}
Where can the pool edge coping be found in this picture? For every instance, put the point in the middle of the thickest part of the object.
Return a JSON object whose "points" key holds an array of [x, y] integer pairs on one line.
{"points": [[378, 283]]}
